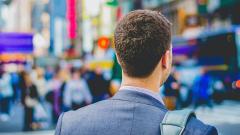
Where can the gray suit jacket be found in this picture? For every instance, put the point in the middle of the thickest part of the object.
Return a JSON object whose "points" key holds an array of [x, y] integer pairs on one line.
{"points": [[126, 113]]}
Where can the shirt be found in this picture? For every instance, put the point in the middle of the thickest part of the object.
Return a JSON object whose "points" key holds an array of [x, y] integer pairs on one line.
{"points": [[144, 91]]}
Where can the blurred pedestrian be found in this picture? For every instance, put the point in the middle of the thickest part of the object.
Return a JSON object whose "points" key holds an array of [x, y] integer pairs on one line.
{"points": [[53, 95], [98, 85], [49, 73], [40, 113], [218, 91], [30, 99], [77, 93], [65, 76], [6, 93], [172, 93], [41, 83], [201, 90], [15, 85]]}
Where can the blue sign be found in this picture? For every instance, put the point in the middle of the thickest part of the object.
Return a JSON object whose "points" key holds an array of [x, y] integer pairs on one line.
{"points": [[16, 43]]}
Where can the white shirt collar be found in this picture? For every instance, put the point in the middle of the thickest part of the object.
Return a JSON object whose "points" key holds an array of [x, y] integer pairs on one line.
{"points": [[143, 90]]}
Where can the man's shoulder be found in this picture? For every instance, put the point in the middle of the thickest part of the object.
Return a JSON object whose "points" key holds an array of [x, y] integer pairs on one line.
{"points": [[197, 127], [68, 121], [93, 115], [87, 110], [103, 117]]}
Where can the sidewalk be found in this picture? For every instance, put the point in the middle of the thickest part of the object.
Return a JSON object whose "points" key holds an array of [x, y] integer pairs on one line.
{"points": [[31, 133], [225, 117], [15, 122]]}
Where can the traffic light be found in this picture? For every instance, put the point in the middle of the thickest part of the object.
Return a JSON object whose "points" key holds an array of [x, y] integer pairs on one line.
{"points": [[103, 42]]}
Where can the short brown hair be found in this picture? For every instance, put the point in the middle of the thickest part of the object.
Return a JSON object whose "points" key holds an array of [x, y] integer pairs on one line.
{"points": [[141, 38]]}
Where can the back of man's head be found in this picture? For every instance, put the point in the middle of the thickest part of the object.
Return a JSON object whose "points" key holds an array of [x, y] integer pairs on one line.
{"points": [[141, 39]]}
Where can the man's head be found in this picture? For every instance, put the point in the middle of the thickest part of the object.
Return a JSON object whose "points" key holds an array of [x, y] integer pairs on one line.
{"points": [[143, 44]]}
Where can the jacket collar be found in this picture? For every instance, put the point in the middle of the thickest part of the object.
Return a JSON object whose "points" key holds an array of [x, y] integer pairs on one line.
{"points": [[137, 97], [143, 90]]}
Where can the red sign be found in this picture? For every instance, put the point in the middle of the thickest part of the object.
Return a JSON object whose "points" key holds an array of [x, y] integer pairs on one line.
{"points": [[103, 42], [238, 83], [72, 19]]}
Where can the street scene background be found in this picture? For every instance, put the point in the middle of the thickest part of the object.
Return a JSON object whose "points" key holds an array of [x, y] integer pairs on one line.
{"points": [[58, 55]]}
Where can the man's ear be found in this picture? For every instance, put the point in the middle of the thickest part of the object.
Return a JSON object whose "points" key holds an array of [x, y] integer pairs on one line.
{"points": [[166, 59], [117, 59]]}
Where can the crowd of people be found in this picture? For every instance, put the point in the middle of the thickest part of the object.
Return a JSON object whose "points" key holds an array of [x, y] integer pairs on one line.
{"points": [[63, 89], [69, 88], [201, 90]]}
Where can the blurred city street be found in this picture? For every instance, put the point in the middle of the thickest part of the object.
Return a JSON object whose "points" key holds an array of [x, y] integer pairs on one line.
{"points": [[225, 117], [59, 55], [15, 122]]}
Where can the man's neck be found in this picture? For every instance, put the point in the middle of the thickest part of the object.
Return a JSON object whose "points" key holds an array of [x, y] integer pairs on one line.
{"points": [[151, 84]]}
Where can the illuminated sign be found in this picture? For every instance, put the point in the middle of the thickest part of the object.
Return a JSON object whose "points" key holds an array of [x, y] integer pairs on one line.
{"points": [[238, 83], [72, 19], [16, 43], [103, 42]]}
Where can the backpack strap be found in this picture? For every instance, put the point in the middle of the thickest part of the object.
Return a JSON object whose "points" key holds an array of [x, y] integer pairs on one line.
{"points": [[174, 122]]}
